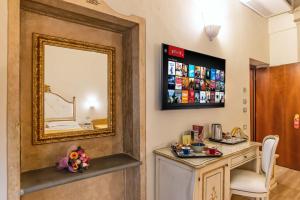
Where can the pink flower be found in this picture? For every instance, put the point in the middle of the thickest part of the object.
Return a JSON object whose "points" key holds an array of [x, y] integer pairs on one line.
{"points": [[80, 152], [63, 163], [84, 160], [85, 165]]}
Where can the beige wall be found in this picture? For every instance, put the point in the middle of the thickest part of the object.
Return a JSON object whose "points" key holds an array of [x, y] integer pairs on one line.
{"points": [[3, 97], [297, 20], [283, 39], [243, 35]]}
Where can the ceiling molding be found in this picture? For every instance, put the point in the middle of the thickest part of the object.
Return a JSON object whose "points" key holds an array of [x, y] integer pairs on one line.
{"points": [[258, 64], [296, 4], [297, 14]]}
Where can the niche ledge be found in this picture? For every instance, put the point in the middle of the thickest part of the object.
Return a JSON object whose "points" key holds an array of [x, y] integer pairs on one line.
{"points": [[49, 177]]}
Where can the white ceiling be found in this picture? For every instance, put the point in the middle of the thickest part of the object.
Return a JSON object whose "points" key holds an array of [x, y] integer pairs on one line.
{"points": [[268, 8]]}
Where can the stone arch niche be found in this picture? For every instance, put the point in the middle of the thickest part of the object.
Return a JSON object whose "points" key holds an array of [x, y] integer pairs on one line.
{"points": [[131, 172]]}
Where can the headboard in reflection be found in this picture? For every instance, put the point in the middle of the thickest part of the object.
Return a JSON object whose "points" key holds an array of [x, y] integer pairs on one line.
{"points": [[73, 91]]}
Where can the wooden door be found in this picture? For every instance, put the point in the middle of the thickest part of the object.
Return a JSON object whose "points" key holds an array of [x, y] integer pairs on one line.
{"points": [[277, 101], [290, 140], [252, 102]]}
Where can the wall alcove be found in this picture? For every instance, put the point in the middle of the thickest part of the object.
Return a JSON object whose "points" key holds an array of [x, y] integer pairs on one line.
{"points": [[119, 160]]}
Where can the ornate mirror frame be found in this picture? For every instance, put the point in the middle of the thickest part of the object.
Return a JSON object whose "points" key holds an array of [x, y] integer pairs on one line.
{"points": [[39, 42]]}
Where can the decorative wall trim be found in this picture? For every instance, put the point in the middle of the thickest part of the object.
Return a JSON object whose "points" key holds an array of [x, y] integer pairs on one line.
{"points": [[297, 15], [95, 2], [3, 99], [13, 101]]}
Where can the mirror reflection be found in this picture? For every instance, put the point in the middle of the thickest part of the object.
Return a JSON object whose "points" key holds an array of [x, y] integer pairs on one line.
{"points": [[75, 90]]}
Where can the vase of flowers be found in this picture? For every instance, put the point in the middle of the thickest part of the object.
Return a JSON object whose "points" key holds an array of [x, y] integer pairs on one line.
{"points": [[76, 160]]}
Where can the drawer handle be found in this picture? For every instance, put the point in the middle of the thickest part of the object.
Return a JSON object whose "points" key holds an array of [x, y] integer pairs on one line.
{"points": [[245, 156]]}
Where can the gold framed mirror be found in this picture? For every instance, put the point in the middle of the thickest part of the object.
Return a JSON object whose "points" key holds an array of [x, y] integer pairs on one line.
{"points": [[73, 89]]}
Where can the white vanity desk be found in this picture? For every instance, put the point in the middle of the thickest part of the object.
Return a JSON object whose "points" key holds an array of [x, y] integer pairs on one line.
{"points": [[202, 178]]}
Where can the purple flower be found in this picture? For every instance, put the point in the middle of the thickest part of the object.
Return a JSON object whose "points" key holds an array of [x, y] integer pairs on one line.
{"points": [[70, 168], [63, 163]]}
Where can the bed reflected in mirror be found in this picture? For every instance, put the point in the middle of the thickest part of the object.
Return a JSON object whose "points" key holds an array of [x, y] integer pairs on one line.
{"points": [[77, 93]]}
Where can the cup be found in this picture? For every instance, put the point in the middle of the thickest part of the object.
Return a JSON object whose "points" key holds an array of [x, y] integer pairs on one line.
{"points": [[212, 151], [186, 139], [186, 150], [198, 147]]}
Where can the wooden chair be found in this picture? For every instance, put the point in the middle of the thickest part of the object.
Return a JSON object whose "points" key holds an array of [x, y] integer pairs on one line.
{"points": [[251, 184]]}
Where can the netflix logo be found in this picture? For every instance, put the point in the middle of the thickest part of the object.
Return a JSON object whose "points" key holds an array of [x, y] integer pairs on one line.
{"points": [[176, 52]]}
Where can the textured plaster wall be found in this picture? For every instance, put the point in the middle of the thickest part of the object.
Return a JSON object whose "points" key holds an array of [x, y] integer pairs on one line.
{"points": [[3, 97]]}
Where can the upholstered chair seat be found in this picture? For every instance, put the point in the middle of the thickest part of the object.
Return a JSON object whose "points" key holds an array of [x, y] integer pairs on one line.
{"points": [[248, 181]]}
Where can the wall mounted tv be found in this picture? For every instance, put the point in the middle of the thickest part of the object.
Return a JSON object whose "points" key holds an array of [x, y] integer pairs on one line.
{"points": [[191, 79]]}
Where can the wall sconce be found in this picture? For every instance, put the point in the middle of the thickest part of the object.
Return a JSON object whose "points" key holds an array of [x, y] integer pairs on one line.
{"points": [[212, 31]]}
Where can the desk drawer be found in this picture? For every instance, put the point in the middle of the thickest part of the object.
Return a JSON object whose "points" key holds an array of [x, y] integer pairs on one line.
{"points": [[241, 159]]}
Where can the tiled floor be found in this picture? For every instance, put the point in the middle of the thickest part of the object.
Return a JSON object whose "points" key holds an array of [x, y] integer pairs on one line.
{"points": [[288, 187]]}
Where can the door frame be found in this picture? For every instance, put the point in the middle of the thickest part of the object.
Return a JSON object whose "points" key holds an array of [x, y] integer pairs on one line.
{"points": [[253, 66], [252, 95]]}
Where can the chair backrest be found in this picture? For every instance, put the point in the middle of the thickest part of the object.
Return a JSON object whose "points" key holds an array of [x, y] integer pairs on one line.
{"points": [[268, 155]]}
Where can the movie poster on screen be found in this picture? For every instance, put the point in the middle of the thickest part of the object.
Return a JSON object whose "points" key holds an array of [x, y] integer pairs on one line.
{"points": [[185, 96], [171, 68]]}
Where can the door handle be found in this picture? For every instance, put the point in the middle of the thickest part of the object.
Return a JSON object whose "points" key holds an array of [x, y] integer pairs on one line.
{"points": [[296, 121]]}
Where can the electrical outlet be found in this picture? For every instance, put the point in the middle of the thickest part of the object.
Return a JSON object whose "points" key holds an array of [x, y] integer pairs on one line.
{"points": [[245, 109], [244, 101], [245, 127]]}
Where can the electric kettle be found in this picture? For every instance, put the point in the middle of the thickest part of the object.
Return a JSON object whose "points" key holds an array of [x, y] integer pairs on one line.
{"points": [[216, 132]]}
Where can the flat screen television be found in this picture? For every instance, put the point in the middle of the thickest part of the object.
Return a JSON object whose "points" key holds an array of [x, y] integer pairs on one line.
{"points": [[191, 79]]}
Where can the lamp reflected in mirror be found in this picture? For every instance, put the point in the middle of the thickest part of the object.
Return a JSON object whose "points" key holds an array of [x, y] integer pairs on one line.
{"points": [[92, 103]]}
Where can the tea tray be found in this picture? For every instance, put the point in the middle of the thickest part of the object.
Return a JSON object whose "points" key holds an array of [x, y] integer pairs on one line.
{"points": [[180, 154]]}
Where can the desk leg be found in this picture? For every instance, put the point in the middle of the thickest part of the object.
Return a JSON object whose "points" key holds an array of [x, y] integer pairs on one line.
{"points": [[227, 194], [258, 160]]}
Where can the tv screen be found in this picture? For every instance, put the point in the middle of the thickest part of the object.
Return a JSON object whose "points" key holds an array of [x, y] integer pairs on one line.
{"points": [[191, 79]]}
